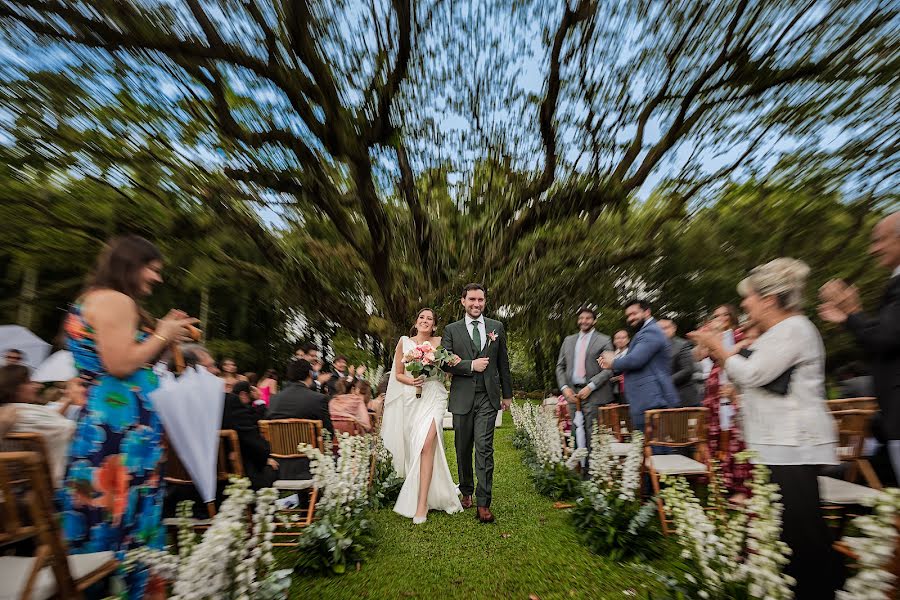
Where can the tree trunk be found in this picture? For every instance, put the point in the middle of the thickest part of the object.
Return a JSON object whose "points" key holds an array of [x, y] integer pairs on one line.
{"points": [[204, 309], [28, 295]]}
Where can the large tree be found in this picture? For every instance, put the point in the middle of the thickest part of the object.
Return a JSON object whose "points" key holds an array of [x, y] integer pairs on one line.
{"points": [[429, 143]]}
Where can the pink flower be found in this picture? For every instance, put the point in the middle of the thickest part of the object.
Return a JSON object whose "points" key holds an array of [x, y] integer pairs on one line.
{"points": [[493, 336], [429, 356]]}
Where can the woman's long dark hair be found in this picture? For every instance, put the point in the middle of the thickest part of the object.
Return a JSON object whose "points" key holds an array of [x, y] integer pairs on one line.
{"points": [[413, 331], [11, 377], [119, 268]]}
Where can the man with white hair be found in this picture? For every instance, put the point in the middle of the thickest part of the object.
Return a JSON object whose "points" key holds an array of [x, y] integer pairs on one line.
{"points": [[878, 335]]}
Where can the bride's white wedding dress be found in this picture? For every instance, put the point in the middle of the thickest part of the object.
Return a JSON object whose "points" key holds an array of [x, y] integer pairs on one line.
{"points": [[405, 426]]}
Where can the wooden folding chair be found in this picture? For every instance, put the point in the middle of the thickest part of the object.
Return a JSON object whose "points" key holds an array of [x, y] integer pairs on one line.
{"points": [[346, 425], [675, 428], [865, 403], [284, 436], [228, 464], [616, 418], [27, 510], [853, 427]]}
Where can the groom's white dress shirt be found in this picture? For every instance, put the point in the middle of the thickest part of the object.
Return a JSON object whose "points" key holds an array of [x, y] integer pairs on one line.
{"points": [[481, 329]]}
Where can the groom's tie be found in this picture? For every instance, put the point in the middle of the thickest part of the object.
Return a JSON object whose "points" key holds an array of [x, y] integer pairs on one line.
{"points": [[476, 335]]}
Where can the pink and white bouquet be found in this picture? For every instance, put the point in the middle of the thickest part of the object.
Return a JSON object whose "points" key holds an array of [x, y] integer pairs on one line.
{"points": [[427, 360]]}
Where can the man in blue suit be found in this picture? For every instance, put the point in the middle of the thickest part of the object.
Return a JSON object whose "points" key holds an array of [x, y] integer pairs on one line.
{"points": [[647, 366]]}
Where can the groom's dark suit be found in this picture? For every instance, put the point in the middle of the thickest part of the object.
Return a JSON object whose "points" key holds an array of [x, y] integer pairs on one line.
{"points": [[475, 400]]}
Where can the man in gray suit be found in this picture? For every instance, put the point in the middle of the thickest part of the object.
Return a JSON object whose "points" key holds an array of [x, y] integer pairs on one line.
{"points": [[579, 375], [683, 364], [481, 386]]}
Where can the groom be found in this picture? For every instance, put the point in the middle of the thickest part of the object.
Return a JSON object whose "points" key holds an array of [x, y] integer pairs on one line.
{"points": [[480, 380]]}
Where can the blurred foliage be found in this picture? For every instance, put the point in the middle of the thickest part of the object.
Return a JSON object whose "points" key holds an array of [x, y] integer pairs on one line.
{"points": [[313, 167]]}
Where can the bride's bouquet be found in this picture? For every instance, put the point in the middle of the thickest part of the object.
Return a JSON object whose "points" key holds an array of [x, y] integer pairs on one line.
{"points": [[427, 360]]}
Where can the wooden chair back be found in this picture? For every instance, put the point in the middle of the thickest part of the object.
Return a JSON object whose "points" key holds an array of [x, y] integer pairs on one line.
{"points": [[852, 429], [284, 435], [27, 511], [228, 463], [616, 418], [842, 404], [346, 425], [23, 442], [675, 427]]}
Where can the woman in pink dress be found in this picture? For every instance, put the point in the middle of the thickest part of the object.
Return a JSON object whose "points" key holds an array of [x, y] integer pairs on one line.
{"points": [[268, 386]]}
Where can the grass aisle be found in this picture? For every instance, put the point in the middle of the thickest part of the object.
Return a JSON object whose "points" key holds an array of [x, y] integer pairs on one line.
{"points": [[531, 549]]}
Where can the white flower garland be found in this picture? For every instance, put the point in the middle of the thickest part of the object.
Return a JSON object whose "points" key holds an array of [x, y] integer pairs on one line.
{"points": [[542, 431], [743, 549], [229, 561], [875, 550]]}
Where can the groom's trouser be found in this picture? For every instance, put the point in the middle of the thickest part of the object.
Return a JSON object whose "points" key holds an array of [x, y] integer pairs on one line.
{"points": [[476, 428]]}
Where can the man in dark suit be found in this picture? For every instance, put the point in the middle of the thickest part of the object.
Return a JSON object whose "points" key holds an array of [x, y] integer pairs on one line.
{"points": [[298, 400], [482, 385], [582, 381], [878, 335], [683, 364], [240, 416], [647, 366]]}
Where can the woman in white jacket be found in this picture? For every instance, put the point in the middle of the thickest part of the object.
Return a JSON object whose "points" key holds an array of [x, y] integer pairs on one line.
{"points": [[785, 417]]}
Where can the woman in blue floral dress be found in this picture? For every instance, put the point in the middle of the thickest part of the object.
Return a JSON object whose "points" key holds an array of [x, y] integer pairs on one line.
{"points": [[112, 496]]}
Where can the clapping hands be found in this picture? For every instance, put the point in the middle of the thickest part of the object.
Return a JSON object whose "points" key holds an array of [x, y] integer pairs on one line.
{"points": [[606, 359], [838, 301]]}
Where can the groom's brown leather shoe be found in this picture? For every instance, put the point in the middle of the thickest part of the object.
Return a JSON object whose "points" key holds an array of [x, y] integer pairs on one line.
{"points": [[466, 502], [485, 515]]}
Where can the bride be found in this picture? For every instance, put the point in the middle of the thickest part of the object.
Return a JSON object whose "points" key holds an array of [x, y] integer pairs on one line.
{"points": [[412, 430]]}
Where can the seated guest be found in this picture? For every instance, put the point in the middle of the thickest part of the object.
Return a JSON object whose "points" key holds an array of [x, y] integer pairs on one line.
{"points": [[73, 399], [299, 400], [18, 391], [13, 357], [854, 381], [268, 386], [240, 416], [229, 373], [786, 420], [351, 402]]}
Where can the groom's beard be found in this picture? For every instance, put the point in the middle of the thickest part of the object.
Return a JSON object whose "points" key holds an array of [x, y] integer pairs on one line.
{"points": [[637, 327]]}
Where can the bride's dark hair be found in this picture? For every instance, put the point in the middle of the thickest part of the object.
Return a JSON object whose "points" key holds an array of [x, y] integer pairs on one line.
{"points": [[414, 331]]}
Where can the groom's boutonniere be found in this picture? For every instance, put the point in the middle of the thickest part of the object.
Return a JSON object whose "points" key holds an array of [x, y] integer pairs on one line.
{"points": [[492, 336]]}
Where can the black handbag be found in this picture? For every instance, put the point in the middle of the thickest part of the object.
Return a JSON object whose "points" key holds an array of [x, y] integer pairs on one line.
{"points": [[780, 384]]}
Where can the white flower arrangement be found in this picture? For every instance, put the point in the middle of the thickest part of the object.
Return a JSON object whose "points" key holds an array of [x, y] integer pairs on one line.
{"points": [[546, 450], [333, 540], [875, 549], [610, 516], [230, 561], [740, 550], [540, 428]]}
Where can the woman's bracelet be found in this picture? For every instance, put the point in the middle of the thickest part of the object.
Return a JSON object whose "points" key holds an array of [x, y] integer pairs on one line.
{"points": [[163, 338]]}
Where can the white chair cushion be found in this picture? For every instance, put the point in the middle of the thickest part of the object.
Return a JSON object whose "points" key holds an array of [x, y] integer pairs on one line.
{"points": [[845, 452], [838, 491], [620, 448], [293, 484], [676, 464], [176, 522], [14, 571]]}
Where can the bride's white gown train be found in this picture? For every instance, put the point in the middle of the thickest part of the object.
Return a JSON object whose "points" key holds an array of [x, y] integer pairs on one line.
{"points": [[405, 426]]}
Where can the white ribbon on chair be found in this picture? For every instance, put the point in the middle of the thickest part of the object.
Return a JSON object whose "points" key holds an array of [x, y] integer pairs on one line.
{"points": [[190, 407]]}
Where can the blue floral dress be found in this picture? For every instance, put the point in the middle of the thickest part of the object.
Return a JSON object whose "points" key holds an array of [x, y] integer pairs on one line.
{"points": [[112, 497]]}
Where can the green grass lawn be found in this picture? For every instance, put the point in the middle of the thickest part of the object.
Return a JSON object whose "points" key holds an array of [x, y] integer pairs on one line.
{"points": [[532, 549]]}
